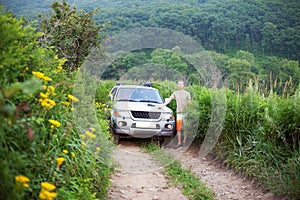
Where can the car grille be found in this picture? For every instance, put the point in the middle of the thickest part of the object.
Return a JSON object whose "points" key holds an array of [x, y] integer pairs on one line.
{"points": [[145, 115]]}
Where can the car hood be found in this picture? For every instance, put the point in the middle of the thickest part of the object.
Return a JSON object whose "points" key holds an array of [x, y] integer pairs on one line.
{"points": [[141, 106]]}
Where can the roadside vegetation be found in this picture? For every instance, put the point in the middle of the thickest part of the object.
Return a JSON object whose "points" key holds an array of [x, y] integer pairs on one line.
{"points": [[43, 154], [260, 137]]}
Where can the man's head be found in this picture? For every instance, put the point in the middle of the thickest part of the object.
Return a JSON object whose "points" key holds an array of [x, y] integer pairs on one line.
{"points": [[180, 84]]}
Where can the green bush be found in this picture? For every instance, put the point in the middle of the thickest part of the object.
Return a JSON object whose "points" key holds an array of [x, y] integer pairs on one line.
{"points": [[41, 148]]}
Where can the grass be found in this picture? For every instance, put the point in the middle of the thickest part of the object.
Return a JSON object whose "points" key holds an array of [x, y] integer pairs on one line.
{"points": [[180, 177]]}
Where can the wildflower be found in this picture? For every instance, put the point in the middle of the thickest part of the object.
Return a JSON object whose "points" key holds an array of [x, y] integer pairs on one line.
{"points": [[48, 186], [43, 95], [41, 76], [72, 98], [46, 78], [72, 154], [46, 191], [51, 89], [65, 151], [82, 136], [90, 134], [59, 161], [97, 148], [54, 123], [47, 103], [23, 180], [46, 195], [66, 103], [92, 129]]}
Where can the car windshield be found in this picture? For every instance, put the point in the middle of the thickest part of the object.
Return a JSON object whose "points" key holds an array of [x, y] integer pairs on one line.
{"points": [[139, 95]]}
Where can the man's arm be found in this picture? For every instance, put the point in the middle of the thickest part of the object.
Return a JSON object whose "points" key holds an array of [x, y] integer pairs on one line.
{"points": [[168, 100]]}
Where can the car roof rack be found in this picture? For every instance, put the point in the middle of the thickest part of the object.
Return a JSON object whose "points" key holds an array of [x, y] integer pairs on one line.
{"points": [[147, 84]]}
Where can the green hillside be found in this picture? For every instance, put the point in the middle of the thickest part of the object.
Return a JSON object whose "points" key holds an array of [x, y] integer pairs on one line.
{"points": [[268, 27]]}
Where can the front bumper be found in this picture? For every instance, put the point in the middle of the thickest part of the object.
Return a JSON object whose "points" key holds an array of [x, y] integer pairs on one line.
{"points": [[143, 128]]}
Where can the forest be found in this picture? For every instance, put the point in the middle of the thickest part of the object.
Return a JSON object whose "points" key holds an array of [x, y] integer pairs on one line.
{"points": [[247, 39], [54, 132]]}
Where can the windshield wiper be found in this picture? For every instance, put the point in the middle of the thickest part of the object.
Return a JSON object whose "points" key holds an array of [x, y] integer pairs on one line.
{"points": [[130, 100]]}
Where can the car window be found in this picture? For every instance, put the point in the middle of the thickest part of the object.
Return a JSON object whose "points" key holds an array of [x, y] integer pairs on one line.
{"points": [[139, 95], [112, 93], [124, 94]]}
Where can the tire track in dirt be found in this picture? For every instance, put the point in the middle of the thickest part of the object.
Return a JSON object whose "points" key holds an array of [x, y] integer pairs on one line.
{"points": [[226, 184]]}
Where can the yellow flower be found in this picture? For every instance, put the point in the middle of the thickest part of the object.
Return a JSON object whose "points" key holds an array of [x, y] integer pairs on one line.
{"points": [[65, 151], [59, 161], [73, 154], [97, 148], [82, 136], [43, 95], [48, 186], [46, 195], [47, 103], [90, 134], [72, 98], [51, 89], [41, 76], [54, 123], [46, 78], [44, 87], [66, 103], [72, 109], [23, 180], [51, 102]]}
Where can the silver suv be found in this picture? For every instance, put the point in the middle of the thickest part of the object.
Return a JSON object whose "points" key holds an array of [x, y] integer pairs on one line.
{"points": [[137, 112]]}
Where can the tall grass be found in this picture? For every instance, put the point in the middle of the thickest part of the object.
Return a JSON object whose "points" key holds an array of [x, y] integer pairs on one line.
{"points": [[261, 132]]}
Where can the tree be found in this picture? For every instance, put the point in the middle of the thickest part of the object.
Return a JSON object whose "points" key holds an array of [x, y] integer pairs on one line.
{"points": [[72, 34]]}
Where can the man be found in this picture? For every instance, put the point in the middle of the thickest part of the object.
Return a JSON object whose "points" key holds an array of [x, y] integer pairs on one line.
{"points": [[182, 97]]}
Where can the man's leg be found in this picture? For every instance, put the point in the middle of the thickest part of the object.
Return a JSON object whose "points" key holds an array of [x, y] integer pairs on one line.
{"points": [[179, 137], [178, 129]]}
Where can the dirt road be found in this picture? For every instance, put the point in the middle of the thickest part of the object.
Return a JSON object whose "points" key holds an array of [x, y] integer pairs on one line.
{"points": [[139, 177]]}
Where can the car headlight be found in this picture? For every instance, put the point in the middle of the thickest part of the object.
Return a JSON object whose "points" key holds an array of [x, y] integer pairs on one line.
{"points": [[119, 113], [169, 116]]}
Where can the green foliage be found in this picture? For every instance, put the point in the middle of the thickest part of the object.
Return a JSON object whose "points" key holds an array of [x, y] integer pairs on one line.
{"points": [[37, 127], [72, 34], [20, 51], [260, 137], [261, 27]]}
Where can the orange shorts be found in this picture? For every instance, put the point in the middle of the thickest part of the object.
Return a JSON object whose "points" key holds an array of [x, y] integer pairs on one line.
{"points": [[179, 122]]}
